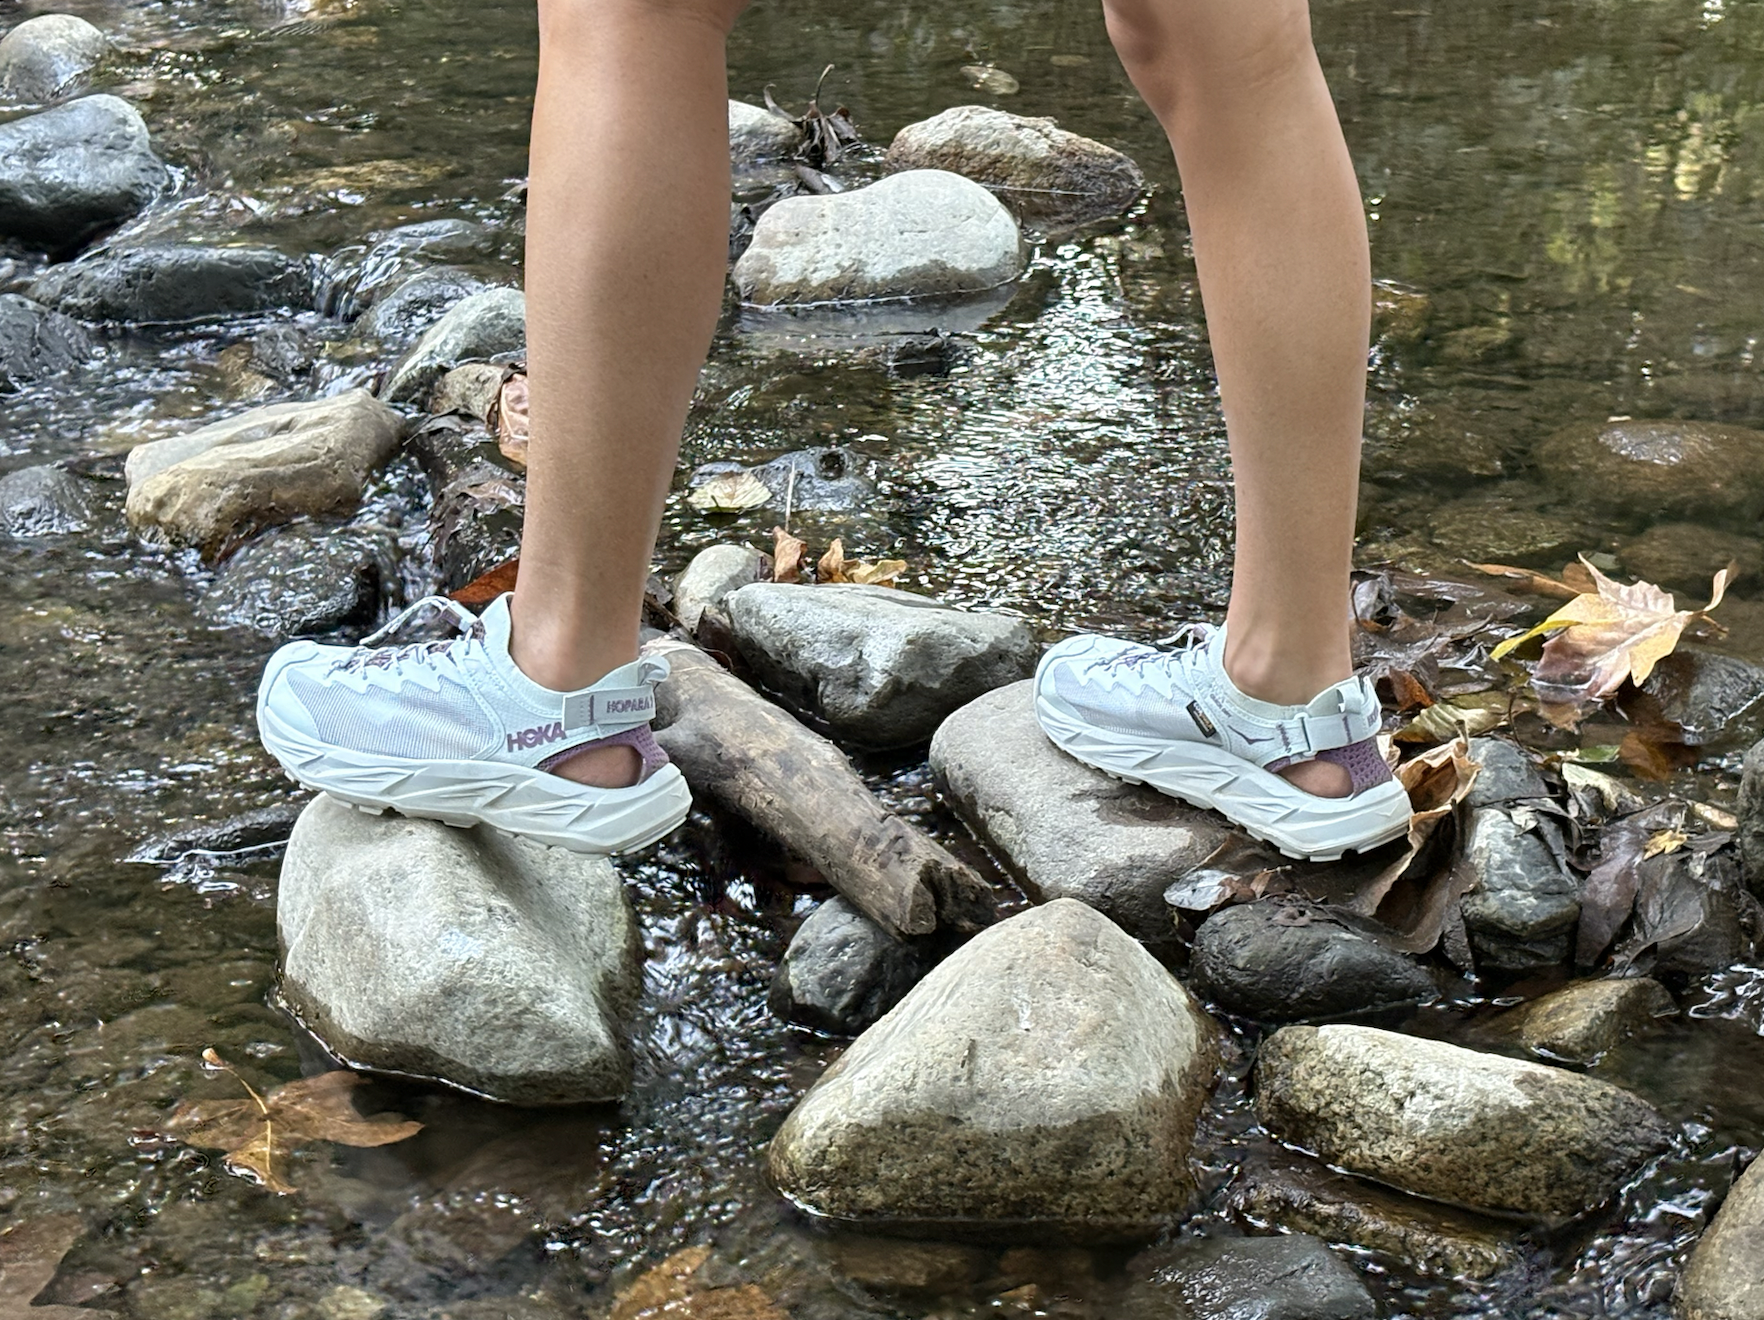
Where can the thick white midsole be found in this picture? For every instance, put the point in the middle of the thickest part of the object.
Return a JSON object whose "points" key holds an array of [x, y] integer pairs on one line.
{"points": [[532, 803], [1298, 823]]}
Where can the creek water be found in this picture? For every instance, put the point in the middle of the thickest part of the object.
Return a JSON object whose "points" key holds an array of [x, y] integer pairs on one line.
{"points": [[1572, 186]]}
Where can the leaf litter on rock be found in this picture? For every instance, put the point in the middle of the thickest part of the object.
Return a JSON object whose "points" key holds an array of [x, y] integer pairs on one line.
{"points": [[825, 136], [730, 492]]}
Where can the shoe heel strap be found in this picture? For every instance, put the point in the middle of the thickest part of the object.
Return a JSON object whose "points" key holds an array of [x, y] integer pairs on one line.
{"points": [[624, 699]]}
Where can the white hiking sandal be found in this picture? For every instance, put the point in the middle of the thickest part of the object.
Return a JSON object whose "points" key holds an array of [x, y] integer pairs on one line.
{"points": [[1175, 721], [453, 731]]}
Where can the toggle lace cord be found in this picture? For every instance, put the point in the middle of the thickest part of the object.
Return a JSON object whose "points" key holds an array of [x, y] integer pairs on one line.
{"points": [[470, 626]]}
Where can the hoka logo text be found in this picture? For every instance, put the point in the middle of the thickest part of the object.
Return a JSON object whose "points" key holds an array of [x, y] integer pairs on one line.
{"points": [[533, 737]]}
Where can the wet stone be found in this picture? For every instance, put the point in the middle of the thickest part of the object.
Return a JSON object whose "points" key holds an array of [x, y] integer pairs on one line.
{"points": [[468, 390], [469, 956], [1279, 961], [842, 971], [1290, 1277], [1483, 531], [47, 56], [1705, 693], [881, 666], [1659, 469], [713, 574], [756, 134], [355, 278], [485, 325], [1685, 556], [921, 234], [812, 480], [898, 1265], [1725, 1278], [1451, 1124], [305, 581], [1582, 1022], [1750, 811], [36, 342], [260, 828], [1693, 915], [1523, 905], [1046, 1077], [174, 282], [408, 310], [1508, 774], [43, 501], [1064, 829], [69, 172]]}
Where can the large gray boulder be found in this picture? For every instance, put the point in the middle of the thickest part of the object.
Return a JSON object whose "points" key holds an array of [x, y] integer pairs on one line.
{"points": [[881, 666], [920, 234], [756, 134], [67, 173], [43, 501], [270, 465], [469, 956], [1658, 469], [484, 325], [1066, 830], [36, 342], [48, 55], [842, 971], [1725, 1278], [1044, 1078], [1523, 905], [1289, 1277], [166, 282], [1456, 1125]]}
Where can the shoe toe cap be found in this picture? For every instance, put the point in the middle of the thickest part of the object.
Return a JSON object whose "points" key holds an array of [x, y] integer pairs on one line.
{"points": [[276, 693]]}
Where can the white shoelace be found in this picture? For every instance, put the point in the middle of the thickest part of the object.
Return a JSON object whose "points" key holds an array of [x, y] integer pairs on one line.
{"points": [[369, 653]]}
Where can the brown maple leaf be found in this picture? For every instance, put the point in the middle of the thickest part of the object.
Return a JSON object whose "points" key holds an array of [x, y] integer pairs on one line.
{"points": [[788, 556]]}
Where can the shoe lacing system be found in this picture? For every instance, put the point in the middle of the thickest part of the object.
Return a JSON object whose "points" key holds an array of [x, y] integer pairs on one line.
{"points": [[1188, 643], [471, 632]]}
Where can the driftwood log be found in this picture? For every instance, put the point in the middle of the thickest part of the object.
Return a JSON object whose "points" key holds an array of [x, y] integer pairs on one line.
{"points": [[752, 758]]}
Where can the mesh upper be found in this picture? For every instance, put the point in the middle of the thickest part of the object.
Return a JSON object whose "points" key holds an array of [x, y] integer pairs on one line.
{"points": [[415, 723]]}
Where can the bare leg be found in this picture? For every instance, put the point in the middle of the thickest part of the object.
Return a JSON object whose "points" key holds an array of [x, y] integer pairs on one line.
{"points": [[627, 233], [1280, 244]]}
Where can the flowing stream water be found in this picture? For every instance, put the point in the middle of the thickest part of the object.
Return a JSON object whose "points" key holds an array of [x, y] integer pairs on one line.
{"points": [[1574, 186]]}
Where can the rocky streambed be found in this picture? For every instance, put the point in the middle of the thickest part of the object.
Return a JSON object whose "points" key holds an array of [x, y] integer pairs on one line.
{"points": [[1061, 1046]]}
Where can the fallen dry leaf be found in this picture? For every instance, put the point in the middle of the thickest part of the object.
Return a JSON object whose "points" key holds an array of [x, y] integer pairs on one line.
{"points": [[509, 419], [1603, 637], [730, 492], [1446, 720], [1613, 794], [788, 556], [668, 1291], [259, 1132], [486, 587], [1525, 579], [30, 1254], [987, 78], [1668, 840], [835, 567]]}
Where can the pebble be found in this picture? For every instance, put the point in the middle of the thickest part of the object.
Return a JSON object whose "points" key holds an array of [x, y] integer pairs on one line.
{"points": [[1290, 1277], [171, 282], [756, 134], [46, 56], [1583, 1022], [713, 574], [305, 580], [1045, 1077], [1066, 830], [36, 342], [1725, 1277], [919, 234], [842, 972], [212, 486], [881, 666], [1523, 905], [490, 324], [69, 172], [469, 956], [43, 501], [1658, 469], [1451, 1124]]}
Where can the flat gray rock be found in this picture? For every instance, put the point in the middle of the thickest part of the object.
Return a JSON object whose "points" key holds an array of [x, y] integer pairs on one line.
{"points": [[1289, 1277], [714, 573], [1580, 1023], [920, 234], [43, 501], [1456, 1125], [170, 282], [36, 342], [1523, 906], [842, 971], [1046, 1077], [69, 172], [46, 56], [1725, 1278], [469, 956], [881, 666], [1508, 774], [270, 465], [484, 325], [1064, 829]]}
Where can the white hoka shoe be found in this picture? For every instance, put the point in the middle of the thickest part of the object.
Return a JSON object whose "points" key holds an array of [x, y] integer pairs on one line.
{"points": [[1175, 721], [452, 730]]}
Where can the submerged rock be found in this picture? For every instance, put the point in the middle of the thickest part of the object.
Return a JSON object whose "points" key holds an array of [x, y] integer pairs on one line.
{"points": [[1659, 469], [842, 971], [1029, 160], [1045, 1077], [174, 282], [260, 828], [1523, 905], [1750, 811], [882, 666], [1706, 694], [1452, 1124], [353, 279], [714, 573], [1582, 1022], [756, 134], [824, 477], [304, 580], [45, 56], [1284, 961], [1725, 1278], [43, 501], [406, 311], [485, 325], [1685, 556], [266, 466], [70, 172], [1064, 829], [36, 342], [471, 956], [1693, 915], [1290, 1277], [921, 234]]}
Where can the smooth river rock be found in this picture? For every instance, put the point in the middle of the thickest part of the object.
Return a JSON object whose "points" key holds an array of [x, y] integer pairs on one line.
{"points": [[1725, 1278], [304, 580], [482, 326], [919, 234], [1523, 905], [714, 573], [1580, 1023], [1288, 1277], [1750, 811], [756, 134], [167, 282], [1066, 830], [1508, 773], [266, 466], [1685, 556], [70, 172], [471, 956], [881, 666], [36, 342], [48, 55], [1658, 469], [43, 501], [1046, 1077], [404, 312], [842, 971], [1456, 1125]]}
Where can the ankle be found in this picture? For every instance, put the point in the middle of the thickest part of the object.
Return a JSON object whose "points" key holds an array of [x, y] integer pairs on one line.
{"points": [[1283, 675], [560, 657]]}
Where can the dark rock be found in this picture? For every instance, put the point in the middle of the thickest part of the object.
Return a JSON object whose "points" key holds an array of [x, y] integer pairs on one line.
{"points": [[261, 828], [1693, 915], [1704, 692], [36, 342], [842, 971], [824, 478], [405, 312], [1291, 1277], [47, 56], [281, 352], [71, 172], [1523, 906], [1582, 1022], [1282, 961], [1659, 469], [174, 282], [756, 134], [491, 323], [1751, 819], [1508, 774], [304, 580], [43, 501], [355, 278], [1686, 556]]}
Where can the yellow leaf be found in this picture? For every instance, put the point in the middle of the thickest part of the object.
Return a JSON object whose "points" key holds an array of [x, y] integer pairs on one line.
{"points": [[880, 574], [1664, 841], [730, 492]]}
